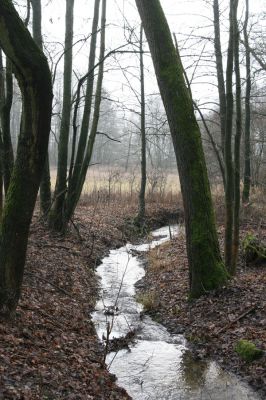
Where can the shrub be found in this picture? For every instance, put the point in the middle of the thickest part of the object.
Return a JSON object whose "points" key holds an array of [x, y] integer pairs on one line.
{"points": [[248, 350]]}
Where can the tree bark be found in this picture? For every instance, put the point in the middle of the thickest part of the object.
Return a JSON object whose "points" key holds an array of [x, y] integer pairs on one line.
{"points": [[93, 132], [206, 267], [6, 85], [141, 212], [32, 71], [75, 167], [57, 213], [229, 170], [219, 70], [45, 186], [247, 168], [237, 143]]}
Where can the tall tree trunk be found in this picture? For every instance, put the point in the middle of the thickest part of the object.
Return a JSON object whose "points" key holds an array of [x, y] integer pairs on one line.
{"points": [[32, 71], [57, 213], [206, 267], [247, 168], [229, 170], [45, 187], [213, 143], [6, 84], [141, 213], [73, 200], [219, 70], [75, 167], [236, 144]]}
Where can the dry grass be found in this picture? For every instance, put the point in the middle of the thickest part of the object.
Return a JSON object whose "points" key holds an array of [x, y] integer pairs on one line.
{"points": [[115, 181], [149, 300]]}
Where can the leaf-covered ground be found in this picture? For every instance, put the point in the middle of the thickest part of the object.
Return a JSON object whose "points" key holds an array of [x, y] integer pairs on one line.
{"points": [[217, 321], [50, 349]]}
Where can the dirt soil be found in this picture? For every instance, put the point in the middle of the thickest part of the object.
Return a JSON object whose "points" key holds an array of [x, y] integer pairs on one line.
{"points": [[214, 323], [50, 350]]}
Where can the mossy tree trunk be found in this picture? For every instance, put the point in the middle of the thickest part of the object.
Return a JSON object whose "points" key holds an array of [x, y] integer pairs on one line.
{"points": [[6, 99], [32, 71], [206, 267], [57, 212], [45, 187]]}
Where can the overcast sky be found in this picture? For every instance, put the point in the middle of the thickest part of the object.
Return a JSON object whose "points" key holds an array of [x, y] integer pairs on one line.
{"points": [[190, 17]]}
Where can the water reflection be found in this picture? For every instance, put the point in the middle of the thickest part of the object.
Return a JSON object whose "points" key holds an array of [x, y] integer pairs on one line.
{"points": [[158, 365], [193, 373]]}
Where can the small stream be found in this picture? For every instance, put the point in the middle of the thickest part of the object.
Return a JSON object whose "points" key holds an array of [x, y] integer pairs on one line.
{"points": [[158, 364]]}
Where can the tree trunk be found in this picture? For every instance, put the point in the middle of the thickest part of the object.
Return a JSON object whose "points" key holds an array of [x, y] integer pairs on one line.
{"points": [[6, 84], [32, 71], [141, 213], [45, 187], [219, 70], [75, 167], [206, 267], [73, 200], [247, 168], [229, 170], [236, 144], [57, 213]]}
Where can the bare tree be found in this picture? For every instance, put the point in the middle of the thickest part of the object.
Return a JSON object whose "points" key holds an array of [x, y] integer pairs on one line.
{"points": [[56, 215], [206, 267]]}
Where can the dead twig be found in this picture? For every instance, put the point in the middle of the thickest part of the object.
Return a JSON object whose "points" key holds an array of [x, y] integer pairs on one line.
{"points": [[50, 283], [249, 310]]}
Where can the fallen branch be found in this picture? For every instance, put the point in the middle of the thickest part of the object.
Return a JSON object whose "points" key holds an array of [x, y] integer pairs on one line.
{"points": [[249, 310], [50, 283]]}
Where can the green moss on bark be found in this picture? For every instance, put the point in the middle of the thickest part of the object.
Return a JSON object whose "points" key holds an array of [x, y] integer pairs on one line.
{"points": [[207, 271]]}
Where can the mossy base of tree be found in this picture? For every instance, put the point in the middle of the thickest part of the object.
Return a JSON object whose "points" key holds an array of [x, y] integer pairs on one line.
{"points": [[248, 350], [211, 279], [254, 250], [140, 225], [8, 302]]}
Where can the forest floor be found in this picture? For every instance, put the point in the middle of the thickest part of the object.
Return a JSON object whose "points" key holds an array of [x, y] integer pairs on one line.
{"points": [[214, 323], [50, 350]]}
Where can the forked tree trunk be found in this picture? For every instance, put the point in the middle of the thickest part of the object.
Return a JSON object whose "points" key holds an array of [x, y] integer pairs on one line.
{"points": [[77, 159], [206, 267], [75, 195], [32, 71]]}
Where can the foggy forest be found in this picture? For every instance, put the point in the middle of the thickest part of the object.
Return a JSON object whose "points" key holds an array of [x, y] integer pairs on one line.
{"points": [[132, 199]]}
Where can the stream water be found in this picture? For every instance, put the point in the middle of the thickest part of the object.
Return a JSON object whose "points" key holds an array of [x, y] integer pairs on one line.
{"points": [[158, 365]]}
